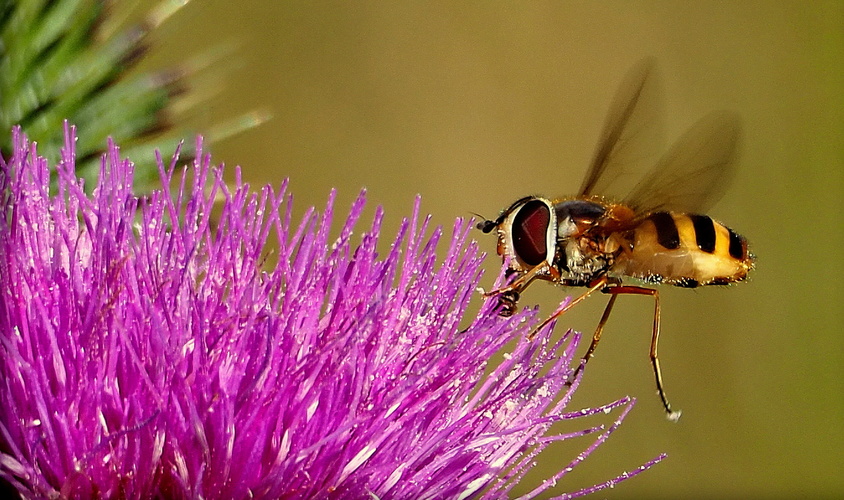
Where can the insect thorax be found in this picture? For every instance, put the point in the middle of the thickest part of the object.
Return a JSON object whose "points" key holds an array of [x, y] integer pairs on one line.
{"points": [[582, 252], [582, 260]]}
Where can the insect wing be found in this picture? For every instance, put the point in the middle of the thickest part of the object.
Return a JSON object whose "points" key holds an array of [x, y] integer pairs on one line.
{"points": [[632, 137], [697, 170]]}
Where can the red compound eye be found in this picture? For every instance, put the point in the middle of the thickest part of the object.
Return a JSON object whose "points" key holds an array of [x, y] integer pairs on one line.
{"points": [[530, 225]]}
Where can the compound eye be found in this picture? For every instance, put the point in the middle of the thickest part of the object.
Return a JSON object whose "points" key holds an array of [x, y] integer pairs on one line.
{"points": [[530, 226]]}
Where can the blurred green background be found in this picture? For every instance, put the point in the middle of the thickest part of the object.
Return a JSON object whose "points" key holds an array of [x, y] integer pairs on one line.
{"points": [[473, 105]]}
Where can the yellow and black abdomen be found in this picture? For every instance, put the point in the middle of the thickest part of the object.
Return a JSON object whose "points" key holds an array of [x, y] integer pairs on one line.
{"points": [[684, 250]]}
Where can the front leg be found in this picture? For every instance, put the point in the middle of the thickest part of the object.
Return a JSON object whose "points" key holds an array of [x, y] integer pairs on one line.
{"points": [[508, 296]]}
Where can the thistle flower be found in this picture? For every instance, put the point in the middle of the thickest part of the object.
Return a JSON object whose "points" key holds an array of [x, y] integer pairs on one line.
{"points": [[71, 59], [148, 353]]}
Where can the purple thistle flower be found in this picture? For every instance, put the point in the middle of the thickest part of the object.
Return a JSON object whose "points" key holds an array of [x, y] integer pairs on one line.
{"points": [[149, 351]]}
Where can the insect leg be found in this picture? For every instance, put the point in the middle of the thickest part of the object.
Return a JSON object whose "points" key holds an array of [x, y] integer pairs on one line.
{"points": [[598, 284], [596, 337], [638, 290], [521, 282]]}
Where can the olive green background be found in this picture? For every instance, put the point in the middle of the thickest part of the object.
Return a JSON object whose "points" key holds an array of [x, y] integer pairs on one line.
{"points": [[473, 105]]}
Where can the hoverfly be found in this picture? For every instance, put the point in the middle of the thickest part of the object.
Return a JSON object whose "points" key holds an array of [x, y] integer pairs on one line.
{"points": [[655, 234]]}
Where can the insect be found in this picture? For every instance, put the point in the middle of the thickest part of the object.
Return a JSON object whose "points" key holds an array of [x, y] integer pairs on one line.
{"points": [[656, 234]]}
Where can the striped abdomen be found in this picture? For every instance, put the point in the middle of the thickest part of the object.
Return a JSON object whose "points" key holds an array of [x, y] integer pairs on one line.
{"points": [[684, 250]]}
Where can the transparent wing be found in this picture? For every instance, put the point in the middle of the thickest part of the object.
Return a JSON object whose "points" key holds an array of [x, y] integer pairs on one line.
{"points": [[692, 176], [632, 137], [697, 170]]}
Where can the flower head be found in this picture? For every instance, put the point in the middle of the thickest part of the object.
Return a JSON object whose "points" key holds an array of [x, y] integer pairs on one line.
{"points": [[147, 349], [77, 60]]}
